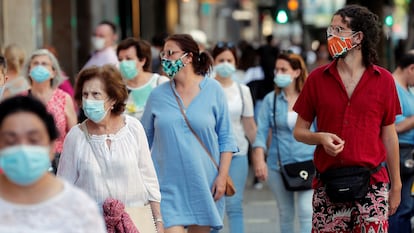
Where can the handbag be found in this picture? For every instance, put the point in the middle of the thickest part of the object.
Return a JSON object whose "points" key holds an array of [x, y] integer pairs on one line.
{"points": [[296, 176], [230, 188], [406, 159], [347, 183], [141, 216]]}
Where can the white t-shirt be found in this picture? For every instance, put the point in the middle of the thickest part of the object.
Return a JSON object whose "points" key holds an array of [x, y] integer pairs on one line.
{"points": [[236, 103], [125, 168], [69, 211]]}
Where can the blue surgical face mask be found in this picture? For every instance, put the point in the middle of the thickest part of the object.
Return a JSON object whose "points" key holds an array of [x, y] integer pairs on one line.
{"points": [[282, 80], [39, 73], [24, 164], [94, 109], [128, 69], [225, 69], [171, 67], [2, 91]]}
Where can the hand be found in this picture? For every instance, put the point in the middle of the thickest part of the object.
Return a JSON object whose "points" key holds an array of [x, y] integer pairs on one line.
{"points": [[259, 164], [219, 187], [394, 200], [332, 144], [260, 170]]}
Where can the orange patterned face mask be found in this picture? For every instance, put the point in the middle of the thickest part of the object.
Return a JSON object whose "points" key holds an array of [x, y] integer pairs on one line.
{"points": [[339, 46]]}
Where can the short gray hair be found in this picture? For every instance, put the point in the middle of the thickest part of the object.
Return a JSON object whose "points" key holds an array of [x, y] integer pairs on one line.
{"points": [[57, 80]]}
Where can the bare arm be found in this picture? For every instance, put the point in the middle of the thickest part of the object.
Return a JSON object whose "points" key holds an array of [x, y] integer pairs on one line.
{"points": [[71, 117], [259, 163], [405, 125], [156, 213], [390, 139], [250, 128], [332, 144]]}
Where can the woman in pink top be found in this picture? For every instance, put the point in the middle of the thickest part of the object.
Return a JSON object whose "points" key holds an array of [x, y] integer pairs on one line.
{"points": [[44, 74]]}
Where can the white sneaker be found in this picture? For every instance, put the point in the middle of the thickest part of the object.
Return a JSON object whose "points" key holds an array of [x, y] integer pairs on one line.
{"points": [[258, 186]]}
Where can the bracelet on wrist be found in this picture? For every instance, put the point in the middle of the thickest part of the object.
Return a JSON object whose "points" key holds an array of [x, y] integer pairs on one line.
{"points": [[158, 220]]}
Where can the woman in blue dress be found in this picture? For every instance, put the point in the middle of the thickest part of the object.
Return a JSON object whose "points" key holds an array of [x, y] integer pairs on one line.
{"points": [[192, 188]]}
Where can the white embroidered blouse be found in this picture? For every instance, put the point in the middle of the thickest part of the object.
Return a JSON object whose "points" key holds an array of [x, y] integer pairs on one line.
{"points": [[125, 170], [69, 211]]}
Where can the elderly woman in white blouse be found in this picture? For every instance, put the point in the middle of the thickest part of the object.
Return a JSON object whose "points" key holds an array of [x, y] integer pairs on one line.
{"points": [[107, 155]]}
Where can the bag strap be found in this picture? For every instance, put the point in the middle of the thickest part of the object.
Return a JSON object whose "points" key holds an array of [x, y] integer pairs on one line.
{"points": [[191, 128], [242, 98], [275, 128]]}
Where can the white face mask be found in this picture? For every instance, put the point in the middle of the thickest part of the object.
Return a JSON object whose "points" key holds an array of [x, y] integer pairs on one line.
{"points": [[98, 43]]}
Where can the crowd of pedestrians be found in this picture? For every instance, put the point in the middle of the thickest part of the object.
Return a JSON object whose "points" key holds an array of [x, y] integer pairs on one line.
{"points": [[164, 126]]}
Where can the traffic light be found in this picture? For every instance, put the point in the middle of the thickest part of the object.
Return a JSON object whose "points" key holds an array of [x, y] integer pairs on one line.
{"points": [[282, 16], [293, 5], [389, 20]]}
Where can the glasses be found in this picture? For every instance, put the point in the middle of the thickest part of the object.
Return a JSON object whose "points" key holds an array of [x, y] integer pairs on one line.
{"points": [[287, 52], [169, 53], [336, 31], [222, 44]]}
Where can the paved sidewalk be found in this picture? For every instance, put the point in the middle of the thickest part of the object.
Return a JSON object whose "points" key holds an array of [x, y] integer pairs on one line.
{"points": [[260, 212]]}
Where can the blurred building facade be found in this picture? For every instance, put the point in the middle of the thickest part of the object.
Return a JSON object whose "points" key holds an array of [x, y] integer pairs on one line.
{"points": [[69, 24]]}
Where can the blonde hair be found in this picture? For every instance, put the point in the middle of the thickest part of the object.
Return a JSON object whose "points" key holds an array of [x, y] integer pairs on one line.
{"points": [[15, 56]]}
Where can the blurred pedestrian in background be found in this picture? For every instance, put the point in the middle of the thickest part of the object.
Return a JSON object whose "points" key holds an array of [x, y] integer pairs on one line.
{"points": [[107, 155], [180, 117], [3, 77], [157, 43], [65, 85], [43, 72], [135, 66], [277, 116], [241, 113], [15, 57], [103, 43], [31, 198], [322, 56], [400, 222], [355, 118]]}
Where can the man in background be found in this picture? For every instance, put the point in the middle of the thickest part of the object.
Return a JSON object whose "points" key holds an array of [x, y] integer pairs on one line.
{"points": [[103, 42]]}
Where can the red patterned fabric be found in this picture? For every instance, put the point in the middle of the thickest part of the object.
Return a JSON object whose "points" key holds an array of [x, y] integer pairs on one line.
{"points": [[116, 219], [56, 106]]}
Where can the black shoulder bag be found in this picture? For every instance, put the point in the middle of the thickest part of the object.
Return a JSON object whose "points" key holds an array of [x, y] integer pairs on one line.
{"points": [[296, 176]]}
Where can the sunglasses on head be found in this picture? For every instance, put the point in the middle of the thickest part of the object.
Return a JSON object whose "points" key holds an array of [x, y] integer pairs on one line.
{"points": [[222, 44]]}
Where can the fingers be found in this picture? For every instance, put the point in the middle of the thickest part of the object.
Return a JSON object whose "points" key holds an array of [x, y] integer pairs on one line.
{"points": [[333, 144], [218, 191], [392, 210], [261, 173]]}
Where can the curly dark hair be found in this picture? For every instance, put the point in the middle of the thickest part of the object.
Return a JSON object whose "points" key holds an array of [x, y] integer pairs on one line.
{"points": [[360, 19]]}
